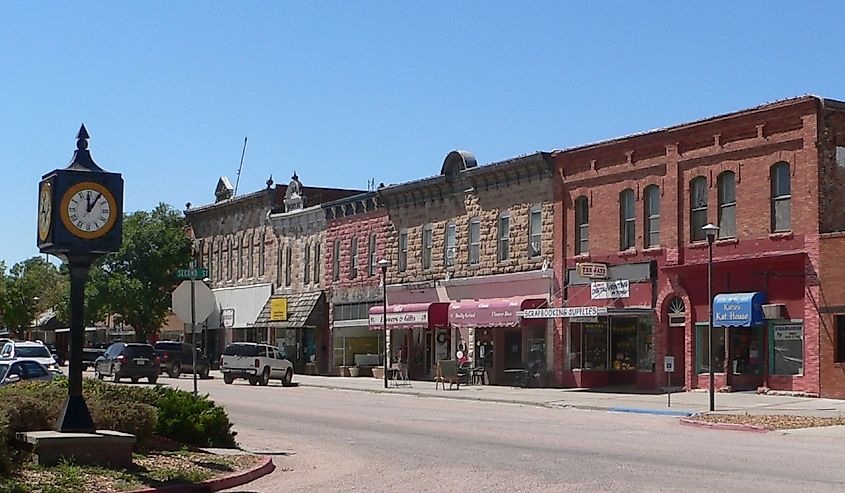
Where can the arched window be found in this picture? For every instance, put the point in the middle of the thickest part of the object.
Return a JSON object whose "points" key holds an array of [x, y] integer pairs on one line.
{"points": [[651, 206], [698, 207], [582, 225], [727, 205], [627, 221], [781, 197]]}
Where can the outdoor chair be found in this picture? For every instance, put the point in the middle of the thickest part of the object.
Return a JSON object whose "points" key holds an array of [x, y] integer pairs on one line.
{"points": [[447, 371]]}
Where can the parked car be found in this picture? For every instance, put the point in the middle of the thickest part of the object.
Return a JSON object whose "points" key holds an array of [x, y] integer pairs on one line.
{"points": [[176, 358], [90, 355], [57, 355], [257, 363], [30, 350], [128, 360], [23, 369]]}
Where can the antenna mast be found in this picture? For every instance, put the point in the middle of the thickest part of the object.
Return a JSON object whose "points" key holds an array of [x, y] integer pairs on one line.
{"points": [[238, 179]]}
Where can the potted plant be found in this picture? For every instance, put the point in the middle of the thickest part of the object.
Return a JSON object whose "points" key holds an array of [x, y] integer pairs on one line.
{"points": [[378, 372], [354, 371]]}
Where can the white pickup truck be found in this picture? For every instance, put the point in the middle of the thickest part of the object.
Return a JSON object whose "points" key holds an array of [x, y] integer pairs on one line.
{"points": [[257, 363]]}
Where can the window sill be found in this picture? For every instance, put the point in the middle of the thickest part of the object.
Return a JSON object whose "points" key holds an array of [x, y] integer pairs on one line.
{"points": [[536, 258], [582, 256], [783, 235], [653, 250], [726, 241], [697, 244], [631, 252]]}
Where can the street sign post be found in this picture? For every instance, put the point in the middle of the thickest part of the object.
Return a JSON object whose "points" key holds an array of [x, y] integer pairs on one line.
{"points": [[669, 368], [198, 293]]}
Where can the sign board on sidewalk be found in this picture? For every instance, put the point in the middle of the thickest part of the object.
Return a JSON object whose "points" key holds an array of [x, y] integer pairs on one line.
{"points": [[610, 290], [564, 312], [204, 302], [591, 270], [669, 364]]}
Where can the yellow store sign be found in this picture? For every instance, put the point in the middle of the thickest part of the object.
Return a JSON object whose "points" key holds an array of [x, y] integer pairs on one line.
{"points": [[279, 309]]}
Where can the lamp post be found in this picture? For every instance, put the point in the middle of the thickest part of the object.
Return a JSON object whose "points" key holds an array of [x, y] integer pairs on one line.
{"points": [[710, 230], [383, 263]]}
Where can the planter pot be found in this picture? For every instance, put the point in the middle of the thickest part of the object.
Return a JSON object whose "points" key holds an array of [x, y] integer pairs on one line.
{"points": [[378, 372], [353, 371]]}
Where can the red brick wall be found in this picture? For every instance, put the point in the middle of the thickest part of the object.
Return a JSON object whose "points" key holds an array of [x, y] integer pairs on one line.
{"points": [[344, 229], [832, 302]]}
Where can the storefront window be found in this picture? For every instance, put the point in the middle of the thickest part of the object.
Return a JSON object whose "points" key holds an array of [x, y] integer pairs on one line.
{"points": [[575, 344], [746, 350], [702, 343], [645, 343], [595, 346], [623, 343], [787, 349], [537, 348]]}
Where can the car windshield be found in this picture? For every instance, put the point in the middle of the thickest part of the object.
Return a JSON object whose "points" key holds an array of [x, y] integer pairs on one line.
{"points": [[4, 368], [241, 350], [144, 351], [32, 352]]}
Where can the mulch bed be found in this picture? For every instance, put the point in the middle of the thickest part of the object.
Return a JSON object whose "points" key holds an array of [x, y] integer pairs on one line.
{"points": [[769, 422]]}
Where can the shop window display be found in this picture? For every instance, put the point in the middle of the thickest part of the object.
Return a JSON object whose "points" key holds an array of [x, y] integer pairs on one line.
{"points": [[702, 343], [746, 350], [576, 331], [595, 346], [645, 344], [787, 349], [623, 343]]}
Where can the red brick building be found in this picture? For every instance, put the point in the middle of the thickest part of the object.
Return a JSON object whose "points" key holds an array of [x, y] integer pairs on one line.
{"points": [[773, 179]]}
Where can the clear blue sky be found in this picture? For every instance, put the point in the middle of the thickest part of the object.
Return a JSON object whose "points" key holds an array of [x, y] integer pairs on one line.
{"points": [[346, 91]]}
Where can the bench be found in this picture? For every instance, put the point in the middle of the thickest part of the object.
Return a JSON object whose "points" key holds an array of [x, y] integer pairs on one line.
{"points": [[447, 371]]}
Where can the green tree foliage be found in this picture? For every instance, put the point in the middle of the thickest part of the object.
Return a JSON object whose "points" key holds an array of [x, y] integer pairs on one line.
{"points": [[30, 288], [136, 281]]}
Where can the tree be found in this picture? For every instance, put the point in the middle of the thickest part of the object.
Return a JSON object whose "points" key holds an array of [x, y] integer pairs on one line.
{"points": [[31, 287], [136, 281]]}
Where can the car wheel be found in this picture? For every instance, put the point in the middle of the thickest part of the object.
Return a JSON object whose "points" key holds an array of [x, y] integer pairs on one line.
{"points": [[253, 380], [288, 379], [175, 370], [265, 377], [97, 374], [228, 379], [204, 371], [135, 379], [114, 377], [153, 380]]}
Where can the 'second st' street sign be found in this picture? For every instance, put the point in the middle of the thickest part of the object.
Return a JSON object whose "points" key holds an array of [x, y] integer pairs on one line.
{"points": [[564, 312], [197, 273], [592, 270]]}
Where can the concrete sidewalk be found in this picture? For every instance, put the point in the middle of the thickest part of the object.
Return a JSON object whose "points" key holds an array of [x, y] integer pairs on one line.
{"points": [[683, 403]]}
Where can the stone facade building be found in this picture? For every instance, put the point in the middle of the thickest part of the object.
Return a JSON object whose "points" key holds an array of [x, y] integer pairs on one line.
{"points": [[638, 204], [356, 234], [468, 249]]}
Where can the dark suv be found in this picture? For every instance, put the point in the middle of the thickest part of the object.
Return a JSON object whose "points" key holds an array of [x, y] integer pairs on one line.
{"points": [[128, 360], [176, 358]]}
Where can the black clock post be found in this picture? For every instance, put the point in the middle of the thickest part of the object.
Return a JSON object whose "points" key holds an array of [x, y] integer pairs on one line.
{"points": [[80, 218]]}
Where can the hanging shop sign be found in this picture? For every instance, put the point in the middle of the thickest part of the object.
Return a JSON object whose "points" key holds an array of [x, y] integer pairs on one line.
{"points": [[227, 317], [610, 290], [278, 309], [592, 270], [564, 312]]}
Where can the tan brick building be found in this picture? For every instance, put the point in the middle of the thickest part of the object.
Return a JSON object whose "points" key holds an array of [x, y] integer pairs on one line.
{"points": [[468, 249]]}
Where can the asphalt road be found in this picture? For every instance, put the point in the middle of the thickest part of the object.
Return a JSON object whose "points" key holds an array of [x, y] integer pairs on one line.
{"points": [[336, 440]]}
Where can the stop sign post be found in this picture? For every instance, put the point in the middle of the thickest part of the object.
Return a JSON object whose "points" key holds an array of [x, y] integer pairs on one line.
{"points": [[195, 302]]}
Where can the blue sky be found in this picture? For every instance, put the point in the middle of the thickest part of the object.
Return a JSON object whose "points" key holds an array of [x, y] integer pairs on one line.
{"points": [[343, 92]]}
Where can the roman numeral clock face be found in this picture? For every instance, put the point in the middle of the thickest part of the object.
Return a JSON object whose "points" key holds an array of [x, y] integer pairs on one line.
{"points": [[88, 210]]}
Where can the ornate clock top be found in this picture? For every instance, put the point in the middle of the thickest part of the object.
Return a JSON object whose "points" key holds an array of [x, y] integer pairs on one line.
{"points": [[82, 159]]}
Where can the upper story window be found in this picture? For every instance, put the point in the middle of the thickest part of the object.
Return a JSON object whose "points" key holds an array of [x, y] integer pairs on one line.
{"points": [[504, 247], [240, 253], [403, 250], [698, 207], [582, 225], [261, 261], [317, 262], [336, 260], [279, 261], [249, 264], [220, 260], [627, 221], [306, 270], [651, 211], [353, 258], [474, 241], [371, 254], [229, 253], [288, 265], [427, 244], [781, 198], [450, 245], [208, 260], [727, 205], [535, 232]]}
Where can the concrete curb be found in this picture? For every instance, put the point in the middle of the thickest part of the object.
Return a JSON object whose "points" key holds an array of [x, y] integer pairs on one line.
{"points": [[723, 426], [658, 412], [264, 468]]}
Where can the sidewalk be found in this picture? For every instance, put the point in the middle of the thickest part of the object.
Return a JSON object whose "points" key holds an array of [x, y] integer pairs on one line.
{"points": [[683, 403]]}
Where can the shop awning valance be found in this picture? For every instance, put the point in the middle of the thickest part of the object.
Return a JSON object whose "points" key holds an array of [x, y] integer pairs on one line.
{"points": [[738, 309], [410, 316], [493, 312], [300, 311]]}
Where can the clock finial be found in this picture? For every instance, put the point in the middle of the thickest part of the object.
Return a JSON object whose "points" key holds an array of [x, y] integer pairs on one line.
{"points": [[82, 159]]}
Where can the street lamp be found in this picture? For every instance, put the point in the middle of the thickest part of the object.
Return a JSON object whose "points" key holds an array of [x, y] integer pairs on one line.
{"points": [[383, 263], [710, 230]]}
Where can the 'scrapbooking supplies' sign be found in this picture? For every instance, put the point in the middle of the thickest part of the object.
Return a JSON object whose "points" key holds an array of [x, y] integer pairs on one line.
{"points": [[564, 312]]}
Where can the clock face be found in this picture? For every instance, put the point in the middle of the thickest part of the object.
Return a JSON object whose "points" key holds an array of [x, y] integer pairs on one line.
{"points": [[45, 210], [88, 210]]}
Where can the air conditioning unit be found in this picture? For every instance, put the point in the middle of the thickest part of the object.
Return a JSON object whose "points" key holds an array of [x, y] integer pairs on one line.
{"points": [[774, 311]]}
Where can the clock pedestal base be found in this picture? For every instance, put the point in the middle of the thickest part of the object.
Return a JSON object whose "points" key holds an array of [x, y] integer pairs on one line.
{"points": [[75, 416]]}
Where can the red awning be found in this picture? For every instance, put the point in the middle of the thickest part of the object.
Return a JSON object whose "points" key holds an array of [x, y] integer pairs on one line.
{"points": [[493, 312], [411, 316]]}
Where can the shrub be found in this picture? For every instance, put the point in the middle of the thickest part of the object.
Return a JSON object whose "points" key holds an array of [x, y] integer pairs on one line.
{"points": [[193, 420]]}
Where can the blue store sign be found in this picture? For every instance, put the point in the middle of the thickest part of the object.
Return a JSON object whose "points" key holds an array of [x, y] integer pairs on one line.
{"points": [[738, 309]]}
